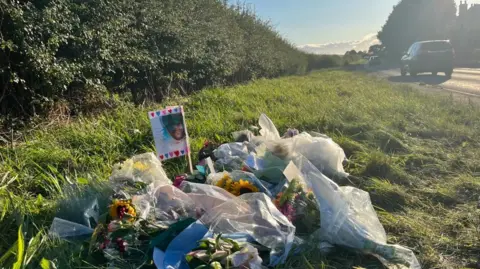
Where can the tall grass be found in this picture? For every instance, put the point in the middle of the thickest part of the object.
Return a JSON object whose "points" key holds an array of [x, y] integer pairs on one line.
{"points": [[416, 154]]}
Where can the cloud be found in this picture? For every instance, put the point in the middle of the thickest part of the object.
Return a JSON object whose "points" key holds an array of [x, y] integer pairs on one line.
{"points": [[341, 47]]}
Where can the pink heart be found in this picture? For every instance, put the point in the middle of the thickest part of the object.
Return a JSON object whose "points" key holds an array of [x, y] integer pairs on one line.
{"points": [[153, 114], [171, 154], [164, 112]]}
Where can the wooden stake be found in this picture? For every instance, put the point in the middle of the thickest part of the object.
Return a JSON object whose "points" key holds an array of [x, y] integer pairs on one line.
{"points": [[189, 157], [190, 165]]}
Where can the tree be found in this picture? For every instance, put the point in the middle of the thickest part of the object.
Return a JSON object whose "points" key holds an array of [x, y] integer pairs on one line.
{"points": [[351, 52], [375, 49], [417, 20]]}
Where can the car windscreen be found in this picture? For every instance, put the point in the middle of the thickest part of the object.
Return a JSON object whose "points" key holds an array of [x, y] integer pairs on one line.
{"points": [[436, 46]]}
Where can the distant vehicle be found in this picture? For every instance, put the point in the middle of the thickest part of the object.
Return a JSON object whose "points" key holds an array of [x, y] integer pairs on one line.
{"points": [[429, 56], [374, 60]]}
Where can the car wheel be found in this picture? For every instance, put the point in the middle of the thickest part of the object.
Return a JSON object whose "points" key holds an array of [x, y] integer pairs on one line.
{"points": [[434, 73], [449, 73]]}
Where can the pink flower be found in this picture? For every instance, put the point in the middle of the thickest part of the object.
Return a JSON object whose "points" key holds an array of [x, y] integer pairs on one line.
{"points": [[289, 211], [178, 181]]}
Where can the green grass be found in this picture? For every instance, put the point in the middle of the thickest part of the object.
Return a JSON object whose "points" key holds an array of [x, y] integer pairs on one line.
{"points": [[416, 154]]}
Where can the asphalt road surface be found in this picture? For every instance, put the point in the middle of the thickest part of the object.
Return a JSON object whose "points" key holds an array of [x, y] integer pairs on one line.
{"points": [[464, 81]]}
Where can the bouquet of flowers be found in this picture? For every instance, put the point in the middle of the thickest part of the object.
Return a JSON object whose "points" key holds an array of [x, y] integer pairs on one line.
{"points": [[299, 205], [221, 253], [123, 238], [138, 173]]}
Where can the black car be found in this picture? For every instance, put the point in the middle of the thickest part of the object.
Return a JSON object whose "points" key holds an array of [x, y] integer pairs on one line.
{"points": [[429, 56]]}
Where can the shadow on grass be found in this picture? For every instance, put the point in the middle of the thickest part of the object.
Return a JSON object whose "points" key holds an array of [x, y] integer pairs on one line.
{"points": [[439, 198], [468, 192], [380, 166], [339, 257], [390, 201]]}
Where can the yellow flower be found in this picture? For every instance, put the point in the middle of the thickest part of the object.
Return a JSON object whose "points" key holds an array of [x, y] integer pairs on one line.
{"points": [[243, 186], [140, 166], [229, 185], [223, 181], [121, 208]]}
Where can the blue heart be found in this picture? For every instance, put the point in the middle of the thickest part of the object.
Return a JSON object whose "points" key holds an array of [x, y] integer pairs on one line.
{"points": [[176, 109], [182, 151], [158, 113], [166, 155]]}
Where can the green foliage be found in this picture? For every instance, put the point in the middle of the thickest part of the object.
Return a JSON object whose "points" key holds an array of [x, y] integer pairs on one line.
{"points": [[80, 52], [20, 249], [323, 61], [353, 56], [417, 20], [45, 264]]}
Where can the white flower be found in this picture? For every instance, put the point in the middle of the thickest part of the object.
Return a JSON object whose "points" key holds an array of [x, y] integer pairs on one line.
{"points": [[247, 256]]}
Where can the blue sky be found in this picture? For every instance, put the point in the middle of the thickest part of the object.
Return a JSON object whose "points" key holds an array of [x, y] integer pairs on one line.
{"points": [[324, 21]]}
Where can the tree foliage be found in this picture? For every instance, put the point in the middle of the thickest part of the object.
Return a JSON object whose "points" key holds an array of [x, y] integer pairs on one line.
{"points": [[417, 20], [376, 49], [78, 51]]}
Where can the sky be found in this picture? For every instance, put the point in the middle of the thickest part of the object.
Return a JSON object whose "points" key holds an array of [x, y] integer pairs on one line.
{"points": [[325, 21]]}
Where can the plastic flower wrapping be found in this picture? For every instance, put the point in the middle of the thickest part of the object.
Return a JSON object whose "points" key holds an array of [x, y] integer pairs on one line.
{"points": [[269, 194], [122, 236], [299, 205]]}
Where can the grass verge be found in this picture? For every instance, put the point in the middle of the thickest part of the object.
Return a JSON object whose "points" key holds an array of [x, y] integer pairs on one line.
{"points": [[416, 154]]}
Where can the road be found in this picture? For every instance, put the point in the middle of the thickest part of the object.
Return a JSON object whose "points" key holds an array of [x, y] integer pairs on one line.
{"points": [[464, 81]]}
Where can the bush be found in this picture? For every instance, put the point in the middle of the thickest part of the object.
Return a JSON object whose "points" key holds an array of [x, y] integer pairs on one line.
{"points": [[323, 61], [67, 50]]}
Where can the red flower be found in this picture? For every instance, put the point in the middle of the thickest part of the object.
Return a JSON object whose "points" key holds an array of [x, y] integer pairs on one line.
{"points": [[178, 181]]}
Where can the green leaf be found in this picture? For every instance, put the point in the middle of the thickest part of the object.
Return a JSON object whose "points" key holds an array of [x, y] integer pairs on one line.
{"points": [[45, 264], [34, 246], [307, 263], [201, 246], [20, 249], [217, 242], [82, 181], [8, 253], [121, 233], [39, 201]]}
